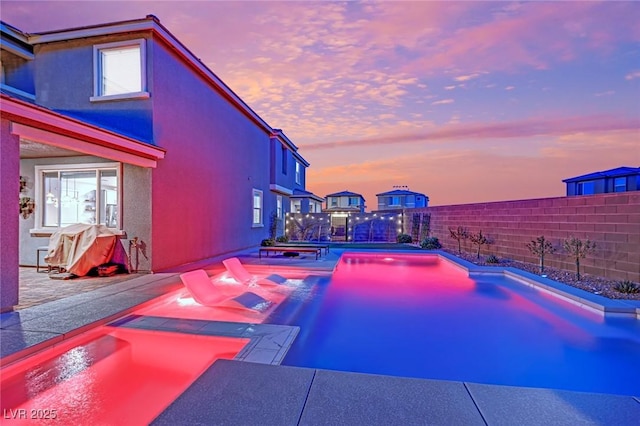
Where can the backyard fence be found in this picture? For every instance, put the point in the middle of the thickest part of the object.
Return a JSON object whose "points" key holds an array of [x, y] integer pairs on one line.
{"points": [[612, 221]]}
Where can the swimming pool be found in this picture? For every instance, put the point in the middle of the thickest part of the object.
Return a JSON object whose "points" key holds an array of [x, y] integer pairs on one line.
{"points": [[420, 316], [109, 375]]}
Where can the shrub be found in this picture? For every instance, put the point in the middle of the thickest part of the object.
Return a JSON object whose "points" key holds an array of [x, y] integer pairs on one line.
{"points": [[274, 220], [282, 239], [539, 247], [627, 286], [578, 249], [430, 243], [492, 258], [479, 240], [404, 238], [268, 242], [459, 234]]}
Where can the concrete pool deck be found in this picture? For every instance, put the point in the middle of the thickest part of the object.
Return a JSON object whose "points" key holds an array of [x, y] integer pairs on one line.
{"points": [[240, 392]]}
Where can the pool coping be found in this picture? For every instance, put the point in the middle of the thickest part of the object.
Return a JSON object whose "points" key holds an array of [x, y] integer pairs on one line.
{"points": [[268, 343], [239, 393]]}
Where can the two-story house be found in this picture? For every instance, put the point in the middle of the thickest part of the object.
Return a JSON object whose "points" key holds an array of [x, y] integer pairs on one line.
{"points": [[120, 124], [401, 199], [288, 178], [344, 202], [621, 179], [341, 205]]}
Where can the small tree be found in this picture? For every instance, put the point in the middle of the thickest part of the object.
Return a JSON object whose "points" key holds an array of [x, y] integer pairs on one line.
{"points": [[539, 247], [479, 240], [578, 249], [459, 234], [274, 221]]}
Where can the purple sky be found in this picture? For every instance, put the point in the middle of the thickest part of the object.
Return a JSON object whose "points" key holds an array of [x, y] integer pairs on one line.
{"points": [[463, 101]]}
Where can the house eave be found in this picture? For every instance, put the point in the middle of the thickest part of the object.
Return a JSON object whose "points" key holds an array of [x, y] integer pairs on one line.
{"points": [[42, 125], [151, 23], [280, 189]]}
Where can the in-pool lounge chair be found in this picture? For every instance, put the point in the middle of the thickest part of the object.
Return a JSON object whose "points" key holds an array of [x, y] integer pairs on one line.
{"points": [[240, 274], [208, 294]]}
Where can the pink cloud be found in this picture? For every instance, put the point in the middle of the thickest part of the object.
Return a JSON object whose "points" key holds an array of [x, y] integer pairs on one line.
{"points": [[455, 175], [514, 130], [536, 35]]}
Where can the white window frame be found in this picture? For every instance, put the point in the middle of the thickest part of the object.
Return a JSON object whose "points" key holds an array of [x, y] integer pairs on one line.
{"points": [[590, 185], [622, 185], [279, 206], [260, 222], [298, 172], [97, 71], [40, 229]]}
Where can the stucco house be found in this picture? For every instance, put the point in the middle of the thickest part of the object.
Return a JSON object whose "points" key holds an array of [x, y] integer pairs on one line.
{"points": [[120, 124], [620, 179], [344, 201], [288, 179], [401, 199], [303, 201]]}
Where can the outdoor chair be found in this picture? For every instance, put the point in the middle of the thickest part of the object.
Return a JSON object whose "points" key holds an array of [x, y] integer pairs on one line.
{"points": [[240, 274], [208, 294]]}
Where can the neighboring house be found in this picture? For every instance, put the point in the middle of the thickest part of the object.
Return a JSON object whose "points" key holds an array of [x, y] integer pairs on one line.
{"points": [[401, 199], [341, 206], [288, 180], [621, 179], [303, 201], [344, 202], [120, 124]]}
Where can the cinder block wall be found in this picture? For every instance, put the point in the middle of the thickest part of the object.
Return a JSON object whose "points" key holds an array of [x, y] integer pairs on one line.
{"points": [[611, 220]]}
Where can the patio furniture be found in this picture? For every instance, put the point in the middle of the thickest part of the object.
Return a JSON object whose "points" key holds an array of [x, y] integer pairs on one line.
{"points": [[38, 251], [240, 274], [208, 294], [324, 247], [289, 249], [80, 247]]}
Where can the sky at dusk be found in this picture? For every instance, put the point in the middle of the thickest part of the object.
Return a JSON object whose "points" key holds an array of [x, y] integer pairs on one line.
{"points": [[463, 101]]}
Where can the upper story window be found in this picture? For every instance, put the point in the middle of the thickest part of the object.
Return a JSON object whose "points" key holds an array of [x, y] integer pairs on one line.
{"points": [[298, 173], [285, 156], [119, 70], [16, 75], [334, 202], [395, 201], [586, 188], [257, 207], [354, 201], [78, 193], [279, 206], [620, 184]]}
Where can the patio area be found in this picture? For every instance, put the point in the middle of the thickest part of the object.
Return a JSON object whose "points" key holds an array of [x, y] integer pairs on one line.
{"points": [[37, 288]]}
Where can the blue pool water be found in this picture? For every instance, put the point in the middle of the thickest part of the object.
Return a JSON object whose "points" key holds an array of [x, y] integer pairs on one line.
{"points": [[417, 316]]}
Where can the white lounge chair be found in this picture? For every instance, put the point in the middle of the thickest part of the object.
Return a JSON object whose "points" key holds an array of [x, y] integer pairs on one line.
{"points": [[208, 294], [240, 274]]}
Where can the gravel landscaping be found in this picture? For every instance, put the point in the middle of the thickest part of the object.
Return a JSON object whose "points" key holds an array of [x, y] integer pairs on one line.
{"points": [[591, 283]]}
